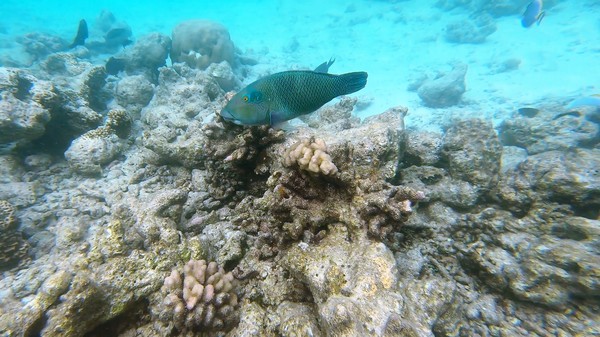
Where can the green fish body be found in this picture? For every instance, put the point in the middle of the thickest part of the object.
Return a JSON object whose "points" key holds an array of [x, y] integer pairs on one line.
{"points": [[282, 96]]}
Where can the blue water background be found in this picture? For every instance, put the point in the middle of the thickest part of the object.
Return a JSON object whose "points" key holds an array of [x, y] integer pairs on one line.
{"points": [[393, 40]]}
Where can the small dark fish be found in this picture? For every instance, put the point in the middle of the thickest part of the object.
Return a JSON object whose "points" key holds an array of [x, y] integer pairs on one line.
{"points": [[324, 67], [282, 96], [115, 65], [118, 36], [533, 13], [569, 113], [528, 112], [82, 34]]}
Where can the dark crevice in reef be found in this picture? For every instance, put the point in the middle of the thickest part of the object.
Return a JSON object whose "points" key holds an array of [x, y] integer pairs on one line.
{"points": [[57, 137], [59, 133], [589, 211], [137, 315], [35, 329], [23, 89]]}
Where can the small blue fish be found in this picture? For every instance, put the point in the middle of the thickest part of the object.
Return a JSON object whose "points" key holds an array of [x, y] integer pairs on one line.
{"points": [[533, 14]]}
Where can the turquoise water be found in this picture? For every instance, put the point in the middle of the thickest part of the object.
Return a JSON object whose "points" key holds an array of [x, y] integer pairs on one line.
{"points": [[395, 41]]}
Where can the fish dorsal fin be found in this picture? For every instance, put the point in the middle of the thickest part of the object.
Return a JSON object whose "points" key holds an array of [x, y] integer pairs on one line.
{"points": [[324, 67]]}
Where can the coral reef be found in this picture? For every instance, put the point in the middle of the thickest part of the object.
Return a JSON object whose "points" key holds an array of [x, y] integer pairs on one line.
{"points": [[23, 107], [300, 205], [202, 298], [556, 176], [445, 90], [134, 93], [463, 167], [223, 74], [90, 151], [474, 30], [119, 121], [62, 101], [353, 282], [98, 147], [473, 151], [149, 53], [383, 232], [200, 43], [544, 132], [183, 99], [548, 265], [39, 45], [422, 148]]}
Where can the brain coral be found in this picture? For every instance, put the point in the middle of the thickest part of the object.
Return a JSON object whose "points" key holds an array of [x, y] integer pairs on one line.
{"points": [[310, 155], [200, 43], [200, 298], [12, 246]]}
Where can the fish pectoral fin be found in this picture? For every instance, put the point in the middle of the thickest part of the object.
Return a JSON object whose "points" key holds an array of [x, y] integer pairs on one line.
{"points": [[273, 120], [276, 119]]}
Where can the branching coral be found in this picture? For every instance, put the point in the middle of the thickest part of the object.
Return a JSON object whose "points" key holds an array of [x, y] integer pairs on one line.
{"points": [[202, 297], [310, 155]]}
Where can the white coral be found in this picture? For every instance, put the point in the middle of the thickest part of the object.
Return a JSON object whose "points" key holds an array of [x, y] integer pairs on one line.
{"points": [[310, 155], [201, 297]]}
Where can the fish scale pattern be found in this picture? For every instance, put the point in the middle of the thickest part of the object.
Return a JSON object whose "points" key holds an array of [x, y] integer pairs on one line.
{"points": [[301, 92]]}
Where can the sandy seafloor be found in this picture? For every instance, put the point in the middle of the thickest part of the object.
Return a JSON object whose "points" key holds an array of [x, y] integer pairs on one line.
{"points": [[394, 41]]}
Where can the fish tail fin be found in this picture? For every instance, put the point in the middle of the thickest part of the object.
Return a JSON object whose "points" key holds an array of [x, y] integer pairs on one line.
{"points": [[352, 82]]}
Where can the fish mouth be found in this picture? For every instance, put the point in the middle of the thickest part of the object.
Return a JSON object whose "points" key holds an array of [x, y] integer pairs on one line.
{"points": [[228, 117]]}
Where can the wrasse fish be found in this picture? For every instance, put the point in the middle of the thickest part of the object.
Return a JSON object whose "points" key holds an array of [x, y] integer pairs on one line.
{"points": [[286, 95]]}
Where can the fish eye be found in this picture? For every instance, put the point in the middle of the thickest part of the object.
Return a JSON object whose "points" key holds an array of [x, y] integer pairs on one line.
{"points": [[245, 98]]}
